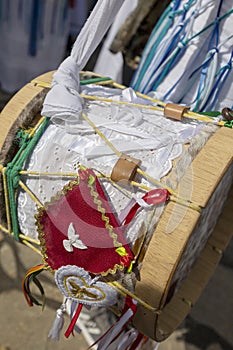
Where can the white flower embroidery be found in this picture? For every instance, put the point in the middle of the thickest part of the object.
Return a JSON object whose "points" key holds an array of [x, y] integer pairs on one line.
{"points": [[73, 240]]}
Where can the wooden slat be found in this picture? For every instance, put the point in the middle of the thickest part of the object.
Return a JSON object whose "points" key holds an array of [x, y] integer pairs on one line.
{"points": [[14, 108], [159, 327], [210, 165], [199, 183], [164, 251]]}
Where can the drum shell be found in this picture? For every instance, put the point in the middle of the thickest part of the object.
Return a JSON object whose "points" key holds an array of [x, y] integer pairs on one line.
{"points": [[211, 169]]}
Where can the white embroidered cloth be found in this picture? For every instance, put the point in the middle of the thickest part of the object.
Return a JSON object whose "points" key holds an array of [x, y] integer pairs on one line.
{"points": [[69, 140], [141, 133]]}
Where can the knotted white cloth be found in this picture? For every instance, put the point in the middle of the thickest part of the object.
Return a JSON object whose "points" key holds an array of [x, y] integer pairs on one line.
{"points": [[63, 101]]}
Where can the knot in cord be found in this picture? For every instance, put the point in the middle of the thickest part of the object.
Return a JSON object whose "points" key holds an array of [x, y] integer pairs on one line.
{"points": [[181, 24], [214, 50], [173, 14], [187, 5], [181, 44], [12, 173], [15, 176]]}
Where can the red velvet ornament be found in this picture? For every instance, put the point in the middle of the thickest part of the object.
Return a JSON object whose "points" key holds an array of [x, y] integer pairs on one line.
{"points": [[83, 204]]}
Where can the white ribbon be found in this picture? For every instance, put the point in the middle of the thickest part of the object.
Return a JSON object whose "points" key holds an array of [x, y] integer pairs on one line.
{"points": [[111, 64], [128, 339], [114, 332]]}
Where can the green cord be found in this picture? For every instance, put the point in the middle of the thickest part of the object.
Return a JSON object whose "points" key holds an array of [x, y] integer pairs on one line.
{"points": [[26, 145], [94, 80], [229, 124], [13, 168], [212, 114]]}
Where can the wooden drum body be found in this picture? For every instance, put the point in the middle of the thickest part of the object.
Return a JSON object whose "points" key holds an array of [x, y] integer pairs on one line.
{"points": [[186, 245]]}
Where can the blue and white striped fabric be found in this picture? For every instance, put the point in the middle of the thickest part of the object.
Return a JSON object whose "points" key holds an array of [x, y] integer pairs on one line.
{"points": [[33, 39], [188, 57]]}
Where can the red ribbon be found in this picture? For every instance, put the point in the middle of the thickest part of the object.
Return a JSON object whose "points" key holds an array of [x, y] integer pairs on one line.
{"points": [[73, 321], [137, 341], [129, 304], [156, 196], [84, 173]]}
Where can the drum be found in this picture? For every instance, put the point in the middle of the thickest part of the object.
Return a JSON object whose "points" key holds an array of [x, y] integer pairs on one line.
{"points": [[167, 182]]}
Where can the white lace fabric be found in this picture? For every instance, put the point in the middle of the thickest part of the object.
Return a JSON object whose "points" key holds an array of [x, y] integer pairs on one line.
{"points": [[143, 134]]}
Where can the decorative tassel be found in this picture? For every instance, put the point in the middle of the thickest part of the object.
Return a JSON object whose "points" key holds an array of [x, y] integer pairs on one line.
{"points": [[55, 331], [31, 276]]}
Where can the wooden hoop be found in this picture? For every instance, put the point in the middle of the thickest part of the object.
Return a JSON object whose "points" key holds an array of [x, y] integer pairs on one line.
{"points": [[165, 249]]}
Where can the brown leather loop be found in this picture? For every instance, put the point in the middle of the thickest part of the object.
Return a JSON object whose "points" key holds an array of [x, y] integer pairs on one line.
{"points": [[227, 114], [125, 169], [174, 111]]}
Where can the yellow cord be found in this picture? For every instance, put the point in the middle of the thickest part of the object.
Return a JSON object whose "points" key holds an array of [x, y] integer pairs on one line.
{"points": [[101, 135], [4, 229], [188, 114], [186, 203], [105, 82], [29, 239], [42, 84], [221, 123], [88, 72], [156, 182], [174, 197], [31, 246], [108, 100], [35, 128], [41, 173], [31, 195], [124, 292]]}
